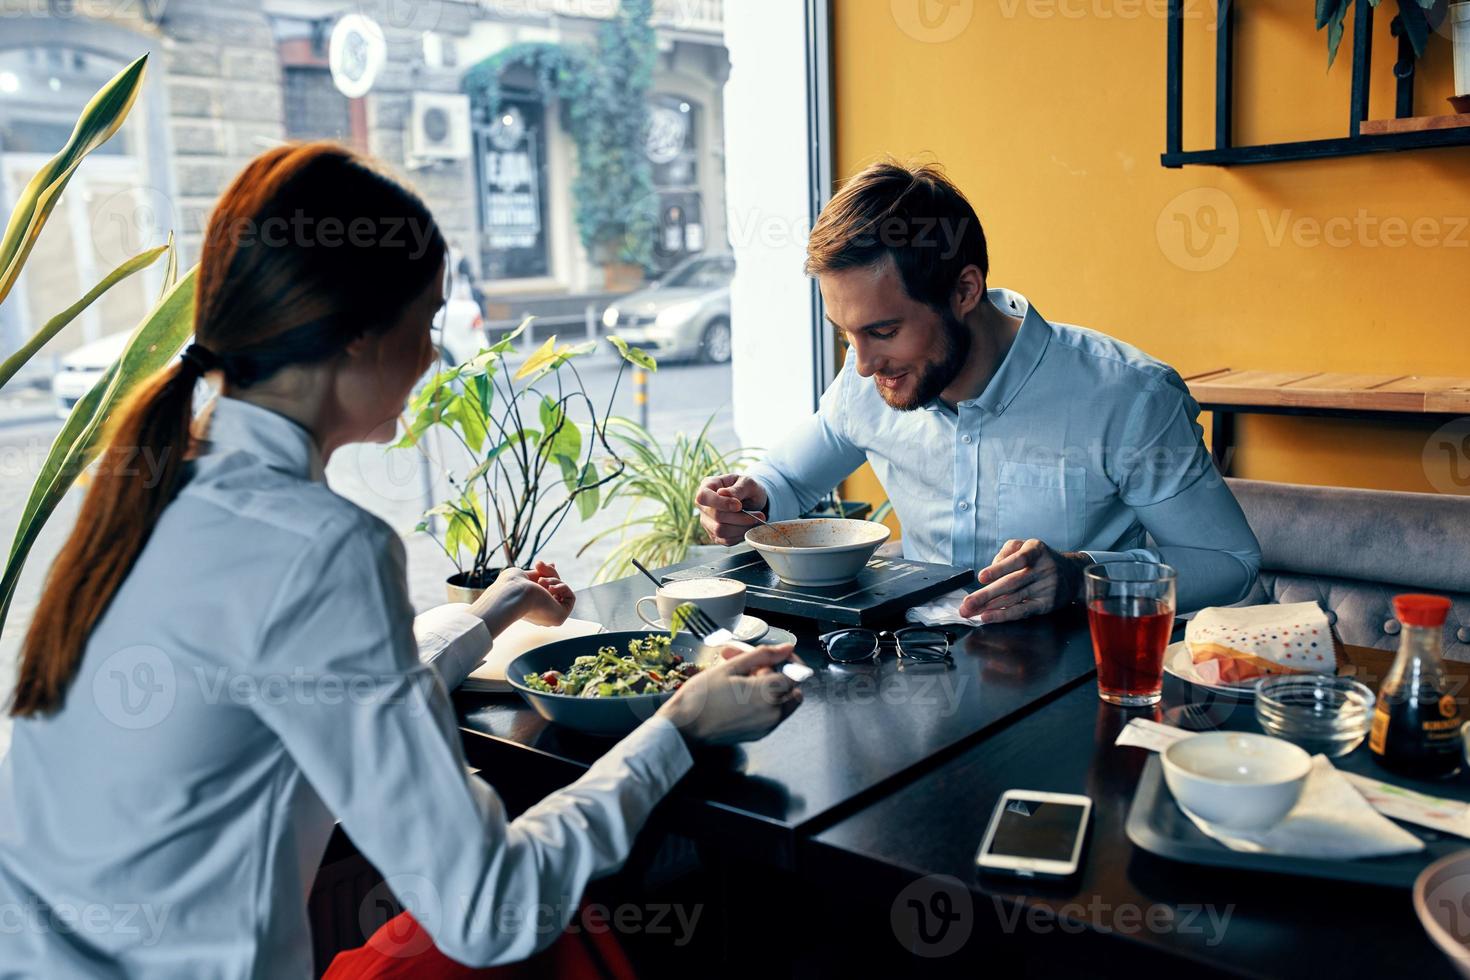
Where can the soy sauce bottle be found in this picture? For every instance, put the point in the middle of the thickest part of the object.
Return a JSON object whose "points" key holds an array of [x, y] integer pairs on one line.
{"points": [[1416, 723]]}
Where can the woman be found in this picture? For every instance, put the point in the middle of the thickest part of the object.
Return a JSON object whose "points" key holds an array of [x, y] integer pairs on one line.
{"points": [[225, 659]]}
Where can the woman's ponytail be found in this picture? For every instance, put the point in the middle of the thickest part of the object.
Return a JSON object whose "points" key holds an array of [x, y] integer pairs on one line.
{"points": [[309, 247], [136, 477]]}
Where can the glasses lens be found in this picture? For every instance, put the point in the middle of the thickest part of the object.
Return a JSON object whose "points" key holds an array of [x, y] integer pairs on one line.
{"points": [[852, 646], [923, 644]]}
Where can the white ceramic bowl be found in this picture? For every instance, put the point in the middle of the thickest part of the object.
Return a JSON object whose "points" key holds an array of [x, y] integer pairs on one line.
{"points": [[1441, 895], [824, 551], [1238, 780]]}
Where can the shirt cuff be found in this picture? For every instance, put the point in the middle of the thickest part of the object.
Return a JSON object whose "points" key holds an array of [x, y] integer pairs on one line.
{"points": [[452, 640], [656, 751]]}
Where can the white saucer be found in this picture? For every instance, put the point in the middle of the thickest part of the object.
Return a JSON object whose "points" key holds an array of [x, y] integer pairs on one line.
{"points": [[748, 630]]}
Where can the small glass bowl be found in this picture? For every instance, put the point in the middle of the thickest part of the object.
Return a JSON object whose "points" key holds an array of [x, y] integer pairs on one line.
{"points": [[1319, 712]]}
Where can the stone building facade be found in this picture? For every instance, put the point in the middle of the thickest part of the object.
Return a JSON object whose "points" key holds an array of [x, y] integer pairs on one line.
{"points": [[229, 79]]}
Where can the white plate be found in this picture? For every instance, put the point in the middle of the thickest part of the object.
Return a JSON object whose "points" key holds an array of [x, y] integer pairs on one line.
{"points": [[748, 630], [1178, 662]]}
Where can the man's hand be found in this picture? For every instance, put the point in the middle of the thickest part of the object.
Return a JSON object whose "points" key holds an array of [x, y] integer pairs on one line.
{"points": [[538, 596], [721, 499], [1026, 578]]}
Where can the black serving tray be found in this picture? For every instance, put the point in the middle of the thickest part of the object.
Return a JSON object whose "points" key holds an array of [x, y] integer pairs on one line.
{"points": [[880, 595], [1156, 824]]}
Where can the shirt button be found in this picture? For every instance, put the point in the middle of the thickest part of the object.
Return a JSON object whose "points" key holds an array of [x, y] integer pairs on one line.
{"points": [[966, 439], [964, 505]]}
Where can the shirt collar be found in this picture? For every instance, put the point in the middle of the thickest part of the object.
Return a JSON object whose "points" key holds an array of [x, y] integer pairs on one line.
{"points": [[279, 442], [1020, 361]]}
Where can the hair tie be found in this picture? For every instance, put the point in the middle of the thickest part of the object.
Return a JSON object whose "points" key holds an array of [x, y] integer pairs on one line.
{"points": [[202, 358]]}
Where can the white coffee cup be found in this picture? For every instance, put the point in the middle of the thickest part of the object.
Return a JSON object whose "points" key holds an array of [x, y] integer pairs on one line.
{"points": [[721, 599]]}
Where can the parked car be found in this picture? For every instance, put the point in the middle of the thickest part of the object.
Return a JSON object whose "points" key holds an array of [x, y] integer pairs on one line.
{"points": [[683, 316], [460, 333], [83, 368]]}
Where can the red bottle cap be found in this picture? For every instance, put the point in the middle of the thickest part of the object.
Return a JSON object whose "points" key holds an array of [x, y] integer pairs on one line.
{"points": [[1421, 610]]}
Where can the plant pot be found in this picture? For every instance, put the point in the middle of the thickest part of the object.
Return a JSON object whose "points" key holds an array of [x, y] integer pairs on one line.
{"points": [[1460, 33], [464, 587], [621, 277]]}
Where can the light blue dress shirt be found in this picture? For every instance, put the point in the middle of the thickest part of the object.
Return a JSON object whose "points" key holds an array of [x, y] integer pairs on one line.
{"points": [[1079, 440], [259, 676]]}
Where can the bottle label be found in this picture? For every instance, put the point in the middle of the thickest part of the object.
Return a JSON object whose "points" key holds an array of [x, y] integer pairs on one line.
{"points": [[1378, 734]]}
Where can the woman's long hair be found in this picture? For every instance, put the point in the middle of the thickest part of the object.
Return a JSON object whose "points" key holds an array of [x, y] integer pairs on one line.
{"points": [[309, 248]]}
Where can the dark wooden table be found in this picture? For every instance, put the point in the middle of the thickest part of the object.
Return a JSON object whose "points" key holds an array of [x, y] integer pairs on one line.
{"points": [[863, 729], [1139, 908], [875, 793]]}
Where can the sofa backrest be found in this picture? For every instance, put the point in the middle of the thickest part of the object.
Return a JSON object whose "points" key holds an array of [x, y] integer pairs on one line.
{"points": [[1353, 550]]}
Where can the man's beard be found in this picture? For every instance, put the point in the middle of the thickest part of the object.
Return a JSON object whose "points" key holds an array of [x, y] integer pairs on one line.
{"points": [[937, 374]]}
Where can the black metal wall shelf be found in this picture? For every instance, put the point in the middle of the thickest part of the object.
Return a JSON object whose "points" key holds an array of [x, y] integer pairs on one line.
{"points": [[1225, 153]]}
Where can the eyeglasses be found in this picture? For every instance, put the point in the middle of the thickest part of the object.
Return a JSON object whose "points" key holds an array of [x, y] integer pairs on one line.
{"points": [[916, 644]]}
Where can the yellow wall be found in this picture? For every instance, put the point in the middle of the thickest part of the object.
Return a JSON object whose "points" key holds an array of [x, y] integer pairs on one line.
{"points": [[1050, 115]]}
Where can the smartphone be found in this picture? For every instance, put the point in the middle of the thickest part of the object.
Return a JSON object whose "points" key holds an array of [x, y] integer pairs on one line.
{"points": [[1034, 833]]}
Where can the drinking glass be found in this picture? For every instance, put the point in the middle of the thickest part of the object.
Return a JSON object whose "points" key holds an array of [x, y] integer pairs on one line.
{"points": [[1130, 607]]}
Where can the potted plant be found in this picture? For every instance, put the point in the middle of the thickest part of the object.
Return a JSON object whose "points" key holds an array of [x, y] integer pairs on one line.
{"points": [[522, 434], [660, 485], [1418, 19], [155, 341]]}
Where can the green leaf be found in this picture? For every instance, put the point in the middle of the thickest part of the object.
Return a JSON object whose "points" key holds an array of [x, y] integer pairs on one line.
{"points": [[683, 613], [587, 499], [100, 119], [53, 326], [633, 355], [155, 343], [563, 437], [464, 411], [507, 342], [544, 355], [1335, 30]]}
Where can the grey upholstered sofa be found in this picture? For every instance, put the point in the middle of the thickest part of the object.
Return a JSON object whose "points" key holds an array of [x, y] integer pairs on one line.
{"points": [[1353, 550]]}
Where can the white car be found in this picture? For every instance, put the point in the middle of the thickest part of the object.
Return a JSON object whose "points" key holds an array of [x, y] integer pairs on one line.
{"points": [[83, 368], [460, 329]]}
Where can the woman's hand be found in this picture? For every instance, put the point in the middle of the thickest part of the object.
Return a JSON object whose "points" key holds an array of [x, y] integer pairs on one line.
{"points": [[538, 596], [739, 699]]}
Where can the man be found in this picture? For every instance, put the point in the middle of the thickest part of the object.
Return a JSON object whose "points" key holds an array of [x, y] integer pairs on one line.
{"points": [[1021, 448]]}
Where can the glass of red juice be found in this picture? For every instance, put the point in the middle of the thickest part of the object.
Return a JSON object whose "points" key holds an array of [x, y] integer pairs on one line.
{"points": [[1130, 607]]}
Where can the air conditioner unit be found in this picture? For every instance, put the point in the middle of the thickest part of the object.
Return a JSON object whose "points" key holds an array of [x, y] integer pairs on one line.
{"points": [[438, 127]]}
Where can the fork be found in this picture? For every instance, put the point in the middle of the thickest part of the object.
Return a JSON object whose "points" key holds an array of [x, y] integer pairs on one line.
{"points": [[712, 634]]}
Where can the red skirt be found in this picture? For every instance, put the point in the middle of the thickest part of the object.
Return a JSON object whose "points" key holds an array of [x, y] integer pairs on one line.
{"points": [[401, 948]]}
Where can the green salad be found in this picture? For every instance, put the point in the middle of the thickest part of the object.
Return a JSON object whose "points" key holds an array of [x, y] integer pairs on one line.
{"points": [[649, 667]]}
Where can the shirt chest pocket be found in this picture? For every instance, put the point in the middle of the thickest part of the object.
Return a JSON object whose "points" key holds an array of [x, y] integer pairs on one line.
{"points": [[1045, 501]]}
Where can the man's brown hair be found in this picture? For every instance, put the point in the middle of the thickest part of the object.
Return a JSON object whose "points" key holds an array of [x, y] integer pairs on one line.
{"points": [[912, 214]]}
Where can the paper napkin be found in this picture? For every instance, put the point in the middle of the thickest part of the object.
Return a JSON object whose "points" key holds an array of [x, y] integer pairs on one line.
{"points": [[942, 611], [1333, 813], [517, 638]]}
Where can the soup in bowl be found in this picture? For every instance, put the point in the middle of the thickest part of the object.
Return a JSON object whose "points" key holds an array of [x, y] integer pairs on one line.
{"points": [[823, 551]]}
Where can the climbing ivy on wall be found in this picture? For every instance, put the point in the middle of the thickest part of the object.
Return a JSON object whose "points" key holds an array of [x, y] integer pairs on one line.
{"points": [[602, 90]]}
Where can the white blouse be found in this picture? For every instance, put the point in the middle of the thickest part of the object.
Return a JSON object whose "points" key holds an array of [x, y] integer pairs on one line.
{"points": [[259, 675]]}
